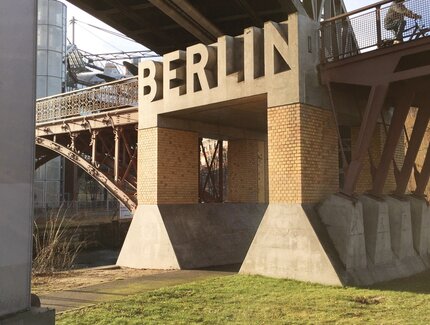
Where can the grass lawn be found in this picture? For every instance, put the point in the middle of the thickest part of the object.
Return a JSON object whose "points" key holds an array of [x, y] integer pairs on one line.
{"points": [[242, 299]]}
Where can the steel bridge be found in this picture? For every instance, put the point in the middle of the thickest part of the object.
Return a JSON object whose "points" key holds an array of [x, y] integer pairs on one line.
{"points": [[361, 62], [94, 128]]}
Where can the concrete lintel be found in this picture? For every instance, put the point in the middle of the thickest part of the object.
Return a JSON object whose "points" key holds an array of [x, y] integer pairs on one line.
{"points": [[210, 130]]}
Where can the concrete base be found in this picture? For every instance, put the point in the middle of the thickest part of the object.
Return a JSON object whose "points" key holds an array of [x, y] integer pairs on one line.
{"points": [[385, 227], [190, 236], [35, 316], [290, 243], [377, 230], [400, 227], [343, 219], [420, 219]]}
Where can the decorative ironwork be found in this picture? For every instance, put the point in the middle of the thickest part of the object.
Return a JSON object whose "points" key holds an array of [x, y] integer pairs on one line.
{"points": [[104, 97], [369, 28], [129, 200]]}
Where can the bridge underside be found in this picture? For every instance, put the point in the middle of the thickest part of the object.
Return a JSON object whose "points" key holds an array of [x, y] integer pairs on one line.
{"points": [[309, 191], [104, 145]]}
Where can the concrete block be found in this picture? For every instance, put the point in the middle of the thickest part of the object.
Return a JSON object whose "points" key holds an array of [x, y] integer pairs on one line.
{"points": [[420, 219], [147, 245], [344, 221], [377, 230], [186, 236], [287, 245], [400, 227], [34, 316]]}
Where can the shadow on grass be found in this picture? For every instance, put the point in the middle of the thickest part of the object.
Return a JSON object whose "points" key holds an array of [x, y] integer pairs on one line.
{"points": [[419, 283], [233, 268]]}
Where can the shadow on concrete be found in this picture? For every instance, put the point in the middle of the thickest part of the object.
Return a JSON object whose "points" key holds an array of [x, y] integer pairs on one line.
{"points": [[419, 283], [211, 234]]}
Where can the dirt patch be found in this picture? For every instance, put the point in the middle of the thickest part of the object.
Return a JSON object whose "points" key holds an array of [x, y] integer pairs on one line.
{"points": [[43, 284]]}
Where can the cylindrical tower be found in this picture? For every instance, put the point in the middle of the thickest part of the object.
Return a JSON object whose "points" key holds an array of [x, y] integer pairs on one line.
{"points": [[51, 47], [51, 76]]}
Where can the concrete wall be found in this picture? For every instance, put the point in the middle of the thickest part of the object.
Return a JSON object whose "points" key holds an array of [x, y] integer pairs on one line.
{"points": [[17, 98]]}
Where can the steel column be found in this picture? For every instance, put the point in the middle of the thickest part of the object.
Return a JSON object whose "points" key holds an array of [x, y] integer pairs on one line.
{"points": [[374, 107], [116, 132], [395, 131], [417, 136], [93, 145]]}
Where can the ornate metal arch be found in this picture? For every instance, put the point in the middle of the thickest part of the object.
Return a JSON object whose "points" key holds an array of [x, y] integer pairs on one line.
{"points": [[129, 202]]}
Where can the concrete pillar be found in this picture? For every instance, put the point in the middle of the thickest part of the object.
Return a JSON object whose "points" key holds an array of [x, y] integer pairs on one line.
{"points": [[303, 169], [170, 229], [17, 98], [246, 171]]}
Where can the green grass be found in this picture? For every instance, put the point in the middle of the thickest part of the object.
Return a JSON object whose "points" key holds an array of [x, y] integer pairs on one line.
{"points": [[258, 300]]}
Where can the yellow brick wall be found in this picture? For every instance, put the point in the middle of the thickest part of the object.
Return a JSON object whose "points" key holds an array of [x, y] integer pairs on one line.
{"points": [[422, 151], [303, 154], [168, 166], [246, 171], [364, 183], [147, 166]]}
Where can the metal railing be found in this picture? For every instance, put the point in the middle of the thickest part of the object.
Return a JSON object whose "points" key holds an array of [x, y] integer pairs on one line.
{"points": [[107, 96], [368, 29]]}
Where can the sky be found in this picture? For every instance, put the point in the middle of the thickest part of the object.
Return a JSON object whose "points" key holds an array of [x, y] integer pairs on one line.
{"points": [[97, 42]]}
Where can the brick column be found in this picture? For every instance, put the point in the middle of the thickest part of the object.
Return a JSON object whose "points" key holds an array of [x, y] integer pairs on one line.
{"points": [[246, 171], [303, 154], [167, 167]]}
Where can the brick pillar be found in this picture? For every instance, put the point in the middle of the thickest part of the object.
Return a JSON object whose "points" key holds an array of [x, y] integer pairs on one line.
{"points": [[246, 171], [168, 166], [303, 154], [364, 183]]}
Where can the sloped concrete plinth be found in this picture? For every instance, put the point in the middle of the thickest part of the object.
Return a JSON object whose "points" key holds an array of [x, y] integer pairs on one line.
{"points": [[289, 244], [187, 236], [379, 231], [420, 218]]}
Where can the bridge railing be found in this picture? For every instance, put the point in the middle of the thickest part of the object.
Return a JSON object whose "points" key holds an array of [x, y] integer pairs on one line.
{"points": [[103, 97], [365, 29]]}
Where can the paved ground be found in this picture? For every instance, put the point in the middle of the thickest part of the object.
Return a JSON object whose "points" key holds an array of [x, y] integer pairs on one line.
{"points": [[86, 296]]}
